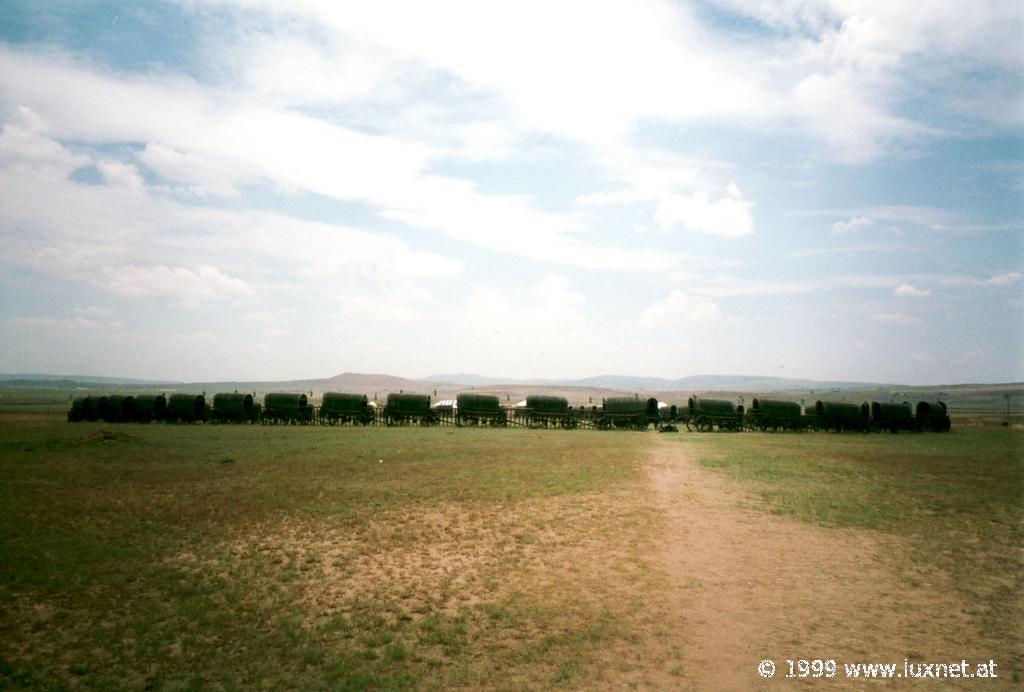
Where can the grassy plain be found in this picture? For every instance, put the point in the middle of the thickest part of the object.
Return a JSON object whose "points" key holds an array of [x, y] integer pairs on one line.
{"points": [[956, 499], [180, 557], [185, 557]]}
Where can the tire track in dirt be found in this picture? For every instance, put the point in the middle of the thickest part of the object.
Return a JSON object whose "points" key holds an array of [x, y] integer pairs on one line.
{"points": [[745, 585]]}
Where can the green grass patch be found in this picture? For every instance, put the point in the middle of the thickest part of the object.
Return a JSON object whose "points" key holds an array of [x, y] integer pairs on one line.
{"points": [[116, 568], [956, 500], [888, 482]]}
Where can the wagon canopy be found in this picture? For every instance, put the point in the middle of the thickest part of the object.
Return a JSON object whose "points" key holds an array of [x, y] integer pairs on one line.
{"points": [[626, 405], [232, 403], [841, 411], [151, 406], [408, 403], [710, 407], [931, 408], [186, 403], [281, 401], [340, 402], [478, 404], [890, 412], [547, 404], [775, 408]]}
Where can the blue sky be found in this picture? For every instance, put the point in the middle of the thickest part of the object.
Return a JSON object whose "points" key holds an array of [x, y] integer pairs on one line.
{"points": [[243, 189]]}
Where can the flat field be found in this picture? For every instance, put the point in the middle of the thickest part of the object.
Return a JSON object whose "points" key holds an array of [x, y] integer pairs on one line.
{"points": [[181, 557]]}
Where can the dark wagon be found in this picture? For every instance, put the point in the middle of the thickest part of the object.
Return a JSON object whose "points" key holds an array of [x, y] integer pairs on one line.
{"points": [[92, 407], [705, 415], [150, 407], [931, 416], [282, 407], [186, 408], [117, 408], [235, 408], [772, 415], [338, 408], [548, 411], [409, 408], [892, 417], [77, 412], [479, 409], [839, 416], [628, 412]]}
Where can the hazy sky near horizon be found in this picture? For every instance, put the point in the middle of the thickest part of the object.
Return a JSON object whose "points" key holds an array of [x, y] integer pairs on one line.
{"points": [[246, 189]]}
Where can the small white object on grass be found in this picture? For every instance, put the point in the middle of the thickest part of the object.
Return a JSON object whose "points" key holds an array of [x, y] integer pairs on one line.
{"points": [[380, 461]]}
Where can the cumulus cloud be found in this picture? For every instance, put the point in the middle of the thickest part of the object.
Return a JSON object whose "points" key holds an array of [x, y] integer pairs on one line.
{"points": [[200, 175], [56, 324], [728, 216], [1007, 279], [553, 306], [851, 62], [839, 73], [1003, 279], [397, 153], [129, 239], [122, 175], [897, 318], [186, 284], [677, 308], [544, 327], [908, 291], [853, 224], [213, 146]]}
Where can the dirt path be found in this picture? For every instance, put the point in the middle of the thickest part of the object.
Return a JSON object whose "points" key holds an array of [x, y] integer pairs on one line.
{"points": [[745, 586]]}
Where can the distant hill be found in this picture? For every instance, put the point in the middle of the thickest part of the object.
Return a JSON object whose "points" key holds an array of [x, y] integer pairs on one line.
{"points": [[470, 380], [447, 385], [748, 383], [36, 379]]}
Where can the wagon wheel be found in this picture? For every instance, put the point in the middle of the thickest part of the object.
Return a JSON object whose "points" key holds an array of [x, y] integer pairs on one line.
{"points": [[703, 424]]}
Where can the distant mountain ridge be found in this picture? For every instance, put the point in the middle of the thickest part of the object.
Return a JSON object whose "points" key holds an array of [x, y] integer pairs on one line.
{"points": [[660, 384], [370, 383], [32, 378]]}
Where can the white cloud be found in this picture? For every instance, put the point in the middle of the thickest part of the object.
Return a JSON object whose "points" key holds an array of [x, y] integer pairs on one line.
{"points": [[424, 134], [122, 175], [728, 217], [677, 308], [201, 175], [129, 239], [190, 286], [847, 117], [56, 324], [897, 318], [1004, 279], [908, 291], [22, 146], [854, 60], [552, 307], [543, 328], [214, 145], [840, 74], [1007, 279], [923, 357], [853, 224]]}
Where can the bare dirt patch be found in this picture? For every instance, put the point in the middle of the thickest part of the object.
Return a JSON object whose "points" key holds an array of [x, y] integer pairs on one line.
{"points": [[747, 586], [673, 580], [525, 593]]}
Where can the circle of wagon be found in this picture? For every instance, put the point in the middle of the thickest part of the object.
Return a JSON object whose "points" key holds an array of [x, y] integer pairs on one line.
{"points": [[536, 411]]}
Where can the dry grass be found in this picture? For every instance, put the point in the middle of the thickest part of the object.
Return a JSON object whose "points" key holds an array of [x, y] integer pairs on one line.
{"points": [[251, 557]]}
